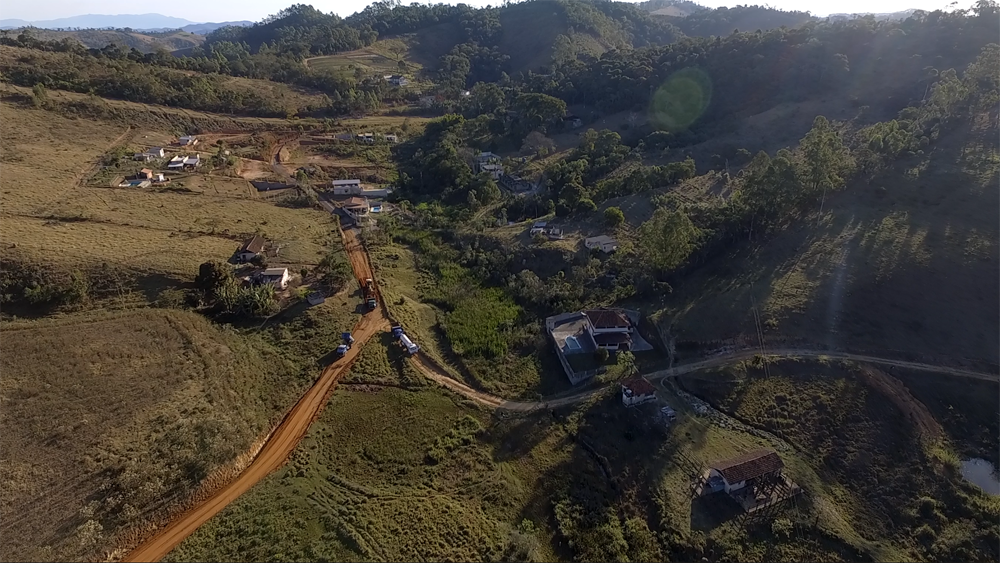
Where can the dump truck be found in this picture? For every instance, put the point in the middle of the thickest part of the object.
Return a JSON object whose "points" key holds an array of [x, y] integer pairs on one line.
{"points": [[397, 331], [348, 339], [342, 350], [368, 293]]}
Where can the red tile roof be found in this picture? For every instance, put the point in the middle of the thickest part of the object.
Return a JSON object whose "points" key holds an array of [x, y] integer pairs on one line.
{"points": [[639, 386], [255, 245], [749, 466], [607, 318]]}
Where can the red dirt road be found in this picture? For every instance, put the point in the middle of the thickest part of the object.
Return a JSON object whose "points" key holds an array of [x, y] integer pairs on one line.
{"points": [[285, 437]]}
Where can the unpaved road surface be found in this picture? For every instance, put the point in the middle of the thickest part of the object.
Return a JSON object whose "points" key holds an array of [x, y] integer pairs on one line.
{"points": [[433, 371], [281, 442]]}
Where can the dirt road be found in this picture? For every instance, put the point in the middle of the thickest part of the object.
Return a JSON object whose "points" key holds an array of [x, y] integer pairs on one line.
{"points": [[284, 439], [430, 369]]}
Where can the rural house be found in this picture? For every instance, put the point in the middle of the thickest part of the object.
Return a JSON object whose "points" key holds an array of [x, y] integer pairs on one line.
{"points": [[515, 184], [188, 140], [145, 174], [637, 391], [278, 277], [191, 162], [357, 207], [392, 139], [611, 329], [150, 154], [252, 248], [346, 187], [396, 80], [746, 470], [604, 243], [537, 228], [366, 138], [176, 163]]}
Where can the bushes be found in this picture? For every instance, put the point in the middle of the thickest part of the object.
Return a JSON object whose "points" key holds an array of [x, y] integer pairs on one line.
{"points": [[477, 325]]}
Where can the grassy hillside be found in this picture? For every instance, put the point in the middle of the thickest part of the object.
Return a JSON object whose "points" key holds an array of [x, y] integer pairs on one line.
{"points": [[111, 418], [877, 449], [98, 38]]}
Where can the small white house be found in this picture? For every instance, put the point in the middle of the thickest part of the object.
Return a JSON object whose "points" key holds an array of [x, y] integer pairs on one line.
{"points": [[346, 187], [604, 243], [278, 277], [150, 154], [736, 473], [538, 228], [187, 140], [191, 161], [252, 248], [176, 163], [637, 391], [396, 80], [366, 138], [392, 139]]}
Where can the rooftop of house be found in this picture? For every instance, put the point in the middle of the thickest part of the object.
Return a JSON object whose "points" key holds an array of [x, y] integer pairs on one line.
{"points": [[356, 202], [145, 171], [539, 224], [639, 386], [602, 239], [749, 465], [607, 318], [274, 272], [345, 182], [255, 244]]}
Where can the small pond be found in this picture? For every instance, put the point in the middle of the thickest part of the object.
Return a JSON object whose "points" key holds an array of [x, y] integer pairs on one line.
{"points": [[981, 473]]}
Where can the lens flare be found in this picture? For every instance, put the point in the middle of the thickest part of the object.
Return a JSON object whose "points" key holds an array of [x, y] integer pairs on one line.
{"points": [[681, 100]]}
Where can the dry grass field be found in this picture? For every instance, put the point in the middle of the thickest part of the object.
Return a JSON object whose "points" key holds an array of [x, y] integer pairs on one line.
{"points": [[110, 417], [169, 229]]}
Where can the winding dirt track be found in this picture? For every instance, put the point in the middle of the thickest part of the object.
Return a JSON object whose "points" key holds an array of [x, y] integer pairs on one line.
{"points": [[284, 438], [295, 424]]}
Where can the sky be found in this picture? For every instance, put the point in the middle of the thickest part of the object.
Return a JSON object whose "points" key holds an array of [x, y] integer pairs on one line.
{"points": [[232, 10]]}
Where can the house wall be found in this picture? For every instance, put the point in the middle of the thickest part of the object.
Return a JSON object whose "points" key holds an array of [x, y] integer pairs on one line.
{"points": [[246, 256], [595, 330], [636, 399], [353, 189]]}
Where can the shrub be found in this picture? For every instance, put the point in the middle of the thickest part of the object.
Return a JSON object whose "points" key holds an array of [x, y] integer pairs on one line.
{"points": [[614, 217]]}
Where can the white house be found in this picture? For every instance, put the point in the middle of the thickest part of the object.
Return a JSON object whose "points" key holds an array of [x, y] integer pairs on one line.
{"points": [[637, 391], [252, 248], [607, 321], [738, 472], [176, 163], [366, 138], [391, 139], [346, 187], [278, 277], [396, 80], [495, 170], [150, 154], [191, 161], [604, 243], [187, 140], [537, 228]]}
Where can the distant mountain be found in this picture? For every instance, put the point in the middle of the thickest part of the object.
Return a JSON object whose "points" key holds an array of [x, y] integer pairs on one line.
{"points": [[205, 28], [886, 16], [143, 22]]}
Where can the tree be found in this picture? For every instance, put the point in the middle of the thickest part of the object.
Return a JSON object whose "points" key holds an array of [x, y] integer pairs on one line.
{"points": [[826, 161], [538, 110], [601, 355], [212, 277], [39, 94], [538, 144], [667, 239], [614, 217]]}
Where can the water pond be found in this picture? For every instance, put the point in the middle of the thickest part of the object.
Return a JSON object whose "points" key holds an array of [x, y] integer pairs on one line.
{"points": [[981, 473]]}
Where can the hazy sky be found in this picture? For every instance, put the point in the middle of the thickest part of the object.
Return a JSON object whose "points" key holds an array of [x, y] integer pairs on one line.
{"points": [[230, 10]]}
